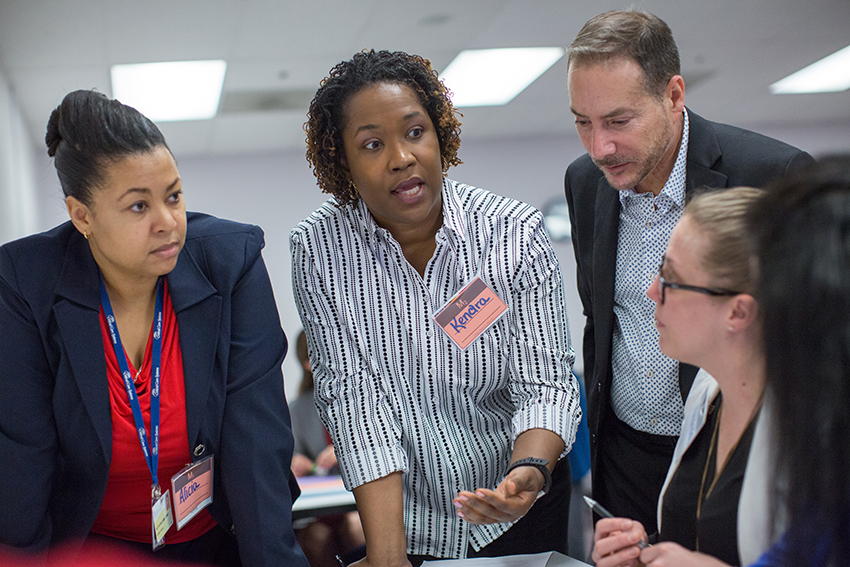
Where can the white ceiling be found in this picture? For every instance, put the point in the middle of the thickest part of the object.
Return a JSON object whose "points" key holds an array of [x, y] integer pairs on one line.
{"points": [[731, 51]]}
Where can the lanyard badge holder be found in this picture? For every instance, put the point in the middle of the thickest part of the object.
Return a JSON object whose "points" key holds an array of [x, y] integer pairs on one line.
{"points": [[193, 490], [161, 517], [470, 312]]}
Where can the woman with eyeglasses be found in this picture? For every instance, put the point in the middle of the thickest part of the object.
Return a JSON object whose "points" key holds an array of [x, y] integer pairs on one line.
{"points": [[707, 316]]}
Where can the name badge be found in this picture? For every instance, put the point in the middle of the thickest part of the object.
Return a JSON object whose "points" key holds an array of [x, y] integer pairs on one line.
{"points": [[161, 518], [470, 312], [193, 490]]}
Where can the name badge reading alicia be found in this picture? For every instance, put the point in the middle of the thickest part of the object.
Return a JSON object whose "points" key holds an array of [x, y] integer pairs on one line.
{"points": [[470, 312], [193, 490]]}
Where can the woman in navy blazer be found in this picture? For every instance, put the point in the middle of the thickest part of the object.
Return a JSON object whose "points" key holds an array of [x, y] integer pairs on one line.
{"points": [[55, 415]]}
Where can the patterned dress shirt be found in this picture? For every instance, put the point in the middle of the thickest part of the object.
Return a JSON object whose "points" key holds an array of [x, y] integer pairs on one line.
{"points": [[645, 389], [395, 393]]}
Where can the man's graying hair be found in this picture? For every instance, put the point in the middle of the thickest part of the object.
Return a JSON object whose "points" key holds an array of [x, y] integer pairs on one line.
{"points": [[633, 34]]}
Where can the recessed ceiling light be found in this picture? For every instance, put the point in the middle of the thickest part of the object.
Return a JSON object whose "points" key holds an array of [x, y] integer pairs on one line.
{"points": [[829, 75], [435, 20], [178, 90], [493, 77]]}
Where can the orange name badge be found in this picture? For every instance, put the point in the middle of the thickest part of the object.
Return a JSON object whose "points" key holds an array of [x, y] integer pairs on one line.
{"points": [[193, 490], [470, 312]]}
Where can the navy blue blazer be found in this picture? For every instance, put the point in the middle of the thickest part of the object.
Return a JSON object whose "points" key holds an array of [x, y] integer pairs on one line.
{"points": [[718, 156], [55, 421]]}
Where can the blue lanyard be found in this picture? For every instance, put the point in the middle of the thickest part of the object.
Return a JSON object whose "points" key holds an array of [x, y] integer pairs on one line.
{"points": [[152, 454]]}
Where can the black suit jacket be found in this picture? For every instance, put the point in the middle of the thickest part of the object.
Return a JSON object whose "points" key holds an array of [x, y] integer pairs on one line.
{"points": [[718, 156], [55, 417]]}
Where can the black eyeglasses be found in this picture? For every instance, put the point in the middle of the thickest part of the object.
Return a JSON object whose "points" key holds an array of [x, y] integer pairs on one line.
{"points": [[664, 284]]}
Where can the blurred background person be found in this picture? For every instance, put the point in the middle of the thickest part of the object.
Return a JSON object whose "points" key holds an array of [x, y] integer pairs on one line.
{"points": [[323, 538], [314, 451]]}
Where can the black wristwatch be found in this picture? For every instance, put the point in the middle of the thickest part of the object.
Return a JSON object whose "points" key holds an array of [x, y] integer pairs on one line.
{"points": [[539, 464]]}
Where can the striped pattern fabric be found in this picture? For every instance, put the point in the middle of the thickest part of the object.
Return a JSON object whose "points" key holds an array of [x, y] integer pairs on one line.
{"points": [[395, 392]]}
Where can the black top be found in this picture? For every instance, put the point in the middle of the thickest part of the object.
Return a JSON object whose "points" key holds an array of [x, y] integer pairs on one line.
{"points": [[716, 531]]}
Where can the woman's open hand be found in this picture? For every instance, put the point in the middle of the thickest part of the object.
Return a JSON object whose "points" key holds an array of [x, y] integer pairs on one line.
{"points": [[508, 502]]}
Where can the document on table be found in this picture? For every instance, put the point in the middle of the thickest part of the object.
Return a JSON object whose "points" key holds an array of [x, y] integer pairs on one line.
{"points": [[548, 559]]}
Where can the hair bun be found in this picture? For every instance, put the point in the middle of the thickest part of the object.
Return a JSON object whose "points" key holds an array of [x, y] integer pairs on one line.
{"points": [[88, 127], [53, 136]]}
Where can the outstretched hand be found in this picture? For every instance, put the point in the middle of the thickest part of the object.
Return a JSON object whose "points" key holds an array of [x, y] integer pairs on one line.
{"points": [[508, 502]]}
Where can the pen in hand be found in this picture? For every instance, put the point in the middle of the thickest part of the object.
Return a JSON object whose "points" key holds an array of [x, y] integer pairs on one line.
{"points": [[601, 511]]}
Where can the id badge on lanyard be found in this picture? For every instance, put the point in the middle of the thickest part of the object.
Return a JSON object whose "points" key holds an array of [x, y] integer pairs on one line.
{"points": [[193, 490], [161, 516], [470, 312]]}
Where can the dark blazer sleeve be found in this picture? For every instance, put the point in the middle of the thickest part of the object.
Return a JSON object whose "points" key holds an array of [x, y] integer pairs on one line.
{"points": [[255, 447], [55, 426], [29, 453], [583, 269], [594, 210]]}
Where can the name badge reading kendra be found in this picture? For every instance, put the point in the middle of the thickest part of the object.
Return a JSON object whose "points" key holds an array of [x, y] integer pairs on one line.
{"points": [[193, 490], [470, 312]]}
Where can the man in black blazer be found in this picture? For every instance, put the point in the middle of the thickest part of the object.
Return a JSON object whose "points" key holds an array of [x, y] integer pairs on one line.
{"points": [[646, 153]]}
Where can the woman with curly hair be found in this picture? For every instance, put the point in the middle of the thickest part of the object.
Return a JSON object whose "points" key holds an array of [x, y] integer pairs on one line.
{"points": [[436, 327]]}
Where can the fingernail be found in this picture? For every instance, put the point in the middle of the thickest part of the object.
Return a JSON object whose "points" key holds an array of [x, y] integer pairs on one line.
{"points": [[479, 494], [462, 498], [458, 505], [459, 513]]}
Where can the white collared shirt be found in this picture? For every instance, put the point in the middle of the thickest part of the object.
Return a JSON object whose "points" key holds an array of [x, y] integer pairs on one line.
{"points": [[645, 389], [393, 390]]}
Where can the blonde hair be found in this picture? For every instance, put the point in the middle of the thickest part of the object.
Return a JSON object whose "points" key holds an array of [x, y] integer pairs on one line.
{"points": [[722, 215]]}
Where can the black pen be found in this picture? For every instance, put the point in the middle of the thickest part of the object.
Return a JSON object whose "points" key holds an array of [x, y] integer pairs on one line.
{"points": [[601, 511]]}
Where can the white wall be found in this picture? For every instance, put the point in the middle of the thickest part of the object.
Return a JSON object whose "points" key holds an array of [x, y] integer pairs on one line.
{"points": [[276, 191], [18, 210]]}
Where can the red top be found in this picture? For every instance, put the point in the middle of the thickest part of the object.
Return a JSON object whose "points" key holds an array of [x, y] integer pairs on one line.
{"points": [[125, 512]]}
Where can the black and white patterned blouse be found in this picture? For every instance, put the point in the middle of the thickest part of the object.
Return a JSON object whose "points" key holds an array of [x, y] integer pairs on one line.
{"points": [[395, 392]]}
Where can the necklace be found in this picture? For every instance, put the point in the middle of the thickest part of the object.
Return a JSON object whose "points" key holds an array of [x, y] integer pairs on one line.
{"points": [[703, 494], [711, 447]]}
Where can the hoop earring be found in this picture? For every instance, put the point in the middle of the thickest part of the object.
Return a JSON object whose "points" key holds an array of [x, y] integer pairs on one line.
{"points": [[352, 190], [86, 234]]}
